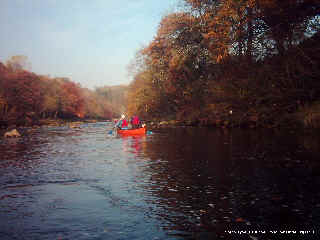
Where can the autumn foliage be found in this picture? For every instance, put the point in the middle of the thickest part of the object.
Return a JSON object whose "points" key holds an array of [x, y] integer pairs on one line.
{"points": [[26, 97], [256, 59]]}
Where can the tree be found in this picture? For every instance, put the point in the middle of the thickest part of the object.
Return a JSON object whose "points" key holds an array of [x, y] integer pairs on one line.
{"points": [[287, 20], [18, 63], [71, 100], [115, 96], [3, 100], [52, 92], [24, 94]]}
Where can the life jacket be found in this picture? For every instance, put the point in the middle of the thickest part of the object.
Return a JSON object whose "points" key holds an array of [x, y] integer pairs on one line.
{"points": [[124, 123], [135, 120]]}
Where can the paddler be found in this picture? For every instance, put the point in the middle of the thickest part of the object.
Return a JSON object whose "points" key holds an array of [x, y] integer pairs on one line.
{"points": [[122, 123]]}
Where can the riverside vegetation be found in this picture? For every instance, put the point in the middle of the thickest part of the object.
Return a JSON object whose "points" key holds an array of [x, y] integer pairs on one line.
{"points": [[232, 63], [28, 99], [244, 63]]}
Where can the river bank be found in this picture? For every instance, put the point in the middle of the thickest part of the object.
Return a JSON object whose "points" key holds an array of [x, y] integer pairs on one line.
{"points": [[304, 117], [26, 129], [307, 117]]}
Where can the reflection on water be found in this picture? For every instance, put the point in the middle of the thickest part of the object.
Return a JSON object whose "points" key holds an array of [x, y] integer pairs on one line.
{"points": [[134, 144], [185, 183]]}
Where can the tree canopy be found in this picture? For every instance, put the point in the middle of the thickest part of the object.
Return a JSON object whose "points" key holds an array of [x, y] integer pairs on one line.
{"points": [[255, 56], [26, 96]]}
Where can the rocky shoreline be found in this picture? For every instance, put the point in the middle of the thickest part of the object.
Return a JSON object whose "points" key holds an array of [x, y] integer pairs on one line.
{"points": [[18, 131], [303, 118], [156, 124]]}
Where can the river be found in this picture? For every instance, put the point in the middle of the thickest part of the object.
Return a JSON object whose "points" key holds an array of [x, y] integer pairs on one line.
{"points": [[176, 183]]}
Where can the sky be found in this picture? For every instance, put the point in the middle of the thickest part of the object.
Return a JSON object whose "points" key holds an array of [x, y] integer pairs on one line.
{"points": [[89, 41]]}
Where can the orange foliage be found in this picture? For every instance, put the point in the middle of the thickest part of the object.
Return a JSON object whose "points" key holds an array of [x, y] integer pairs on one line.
{"points": [[207, 54], [72, 99], [25, 95], [23, 91]]}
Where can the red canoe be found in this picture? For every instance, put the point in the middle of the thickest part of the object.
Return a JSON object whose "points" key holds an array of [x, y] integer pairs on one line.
{"points": [[128, 132]]}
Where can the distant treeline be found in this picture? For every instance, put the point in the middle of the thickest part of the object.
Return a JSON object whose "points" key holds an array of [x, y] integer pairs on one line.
{"points": [[232, 62], [26, 97]]}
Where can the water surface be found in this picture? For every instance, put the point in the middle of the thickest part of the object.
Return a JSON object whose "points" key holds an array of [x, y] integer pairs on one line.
{"points": [[184, 183]]}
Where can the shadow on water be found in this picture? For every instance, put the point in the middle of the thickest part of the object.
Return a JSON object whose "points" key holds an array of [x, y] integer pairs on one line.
{"points": [[215, 183], [182, 183]]}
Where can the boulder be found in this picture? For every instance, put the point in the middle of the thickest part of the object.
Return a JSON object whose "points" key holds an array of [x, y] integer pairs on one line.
{"points": [[12, 133]]}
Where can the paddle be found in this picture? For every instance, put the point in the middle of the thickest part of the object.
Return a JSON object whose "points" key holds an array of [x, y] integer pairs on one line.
{"points": [[111, 131], [116, 125], [114, 128]]}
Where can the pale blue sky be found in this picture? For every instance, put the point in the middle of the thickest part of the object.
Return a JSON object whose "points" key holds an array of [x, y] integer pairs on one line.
{"points": [[89, 41]]}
